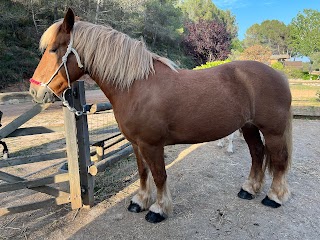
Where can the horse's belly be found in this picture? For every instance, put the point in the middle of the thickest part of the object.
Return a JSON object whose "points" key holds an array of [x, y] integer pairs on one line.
{"points": [[198, 133]]}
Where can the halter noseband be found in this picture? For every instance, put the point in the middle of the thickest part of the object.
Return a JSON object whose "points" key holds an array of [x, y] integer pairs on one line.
{"points": [[63, 64]]}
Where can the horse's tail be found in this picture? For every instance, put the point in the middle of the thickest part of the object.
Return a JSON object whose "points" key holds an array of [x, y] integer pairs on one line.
{"points": [[286, 149]]}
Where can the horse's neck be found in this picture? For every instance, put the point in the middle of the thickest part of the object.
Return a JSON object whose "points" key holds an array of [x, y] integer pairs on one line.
{"points": [[116, 95]]}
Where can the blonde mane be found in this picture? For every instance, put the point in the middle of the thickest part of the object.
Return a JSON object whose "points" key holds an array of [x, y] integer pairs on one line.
{"points": [[108, 54]]}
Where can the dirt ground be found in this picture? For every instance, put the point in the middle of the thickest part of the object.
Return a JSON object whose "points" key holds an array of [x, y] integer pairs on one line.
{"points": [[204, 182]]}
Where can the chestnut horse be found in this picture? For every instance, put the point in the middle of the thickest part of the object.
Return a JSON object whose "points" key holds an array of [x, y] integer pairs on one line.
{"points": [[156, 104]]}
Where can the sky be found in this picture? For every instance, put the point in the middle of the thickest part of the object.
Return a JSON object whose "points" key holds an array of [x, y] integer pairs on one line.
{"points": [[249, 12]]}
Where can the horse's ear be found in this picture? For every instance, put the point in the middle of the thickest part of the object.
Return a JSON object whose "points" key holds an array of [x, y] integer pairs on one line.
{"points": [[68, 21]]}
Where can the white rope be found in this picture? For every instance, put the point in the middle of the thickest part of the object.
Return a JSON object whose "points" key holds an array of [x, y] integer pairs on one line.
{"points": [[64, 64]]}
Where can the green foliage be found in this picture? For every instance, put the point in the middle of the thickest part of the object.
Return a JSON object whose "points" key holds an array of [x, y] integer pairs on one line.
{"points": [[18, 44], [277, 66], [315, 59], [211, 64], [161, 23], [305, 32], [271, 33], [293, 73]]}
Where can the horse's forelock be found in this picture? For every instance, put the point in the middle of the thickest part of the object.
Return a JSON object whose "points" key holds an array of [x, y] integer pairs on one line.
{"points": [[49, 35]]}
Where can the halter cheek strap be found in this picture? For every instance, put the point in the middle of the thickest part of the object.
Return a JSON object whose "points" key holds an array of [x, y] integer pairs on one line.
{"points": [[63, 64]]}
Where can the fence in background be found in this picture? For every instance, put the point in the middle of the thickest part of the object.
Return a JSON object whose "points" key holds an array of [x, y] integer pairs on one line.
{"points": [[84, 157]]}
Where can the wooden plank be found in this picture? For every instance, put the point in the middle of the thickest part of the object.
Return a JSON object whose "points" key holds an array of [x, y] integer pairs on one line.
{"points": [[35, 130], [110, 153], [72, 153], [86, 179], [9, 177], [114, 142], [102, 165], [34, 183], [34, 206], [44, 189], [304, 81], [302, 111], [99, 151], [11, 127], [32, 159], [101, 142], [99, 107]]}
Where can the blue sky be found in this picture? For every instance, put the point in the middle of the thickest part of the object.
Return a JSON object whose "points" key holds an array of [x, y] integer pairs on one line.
{"points": [[249, 12]]}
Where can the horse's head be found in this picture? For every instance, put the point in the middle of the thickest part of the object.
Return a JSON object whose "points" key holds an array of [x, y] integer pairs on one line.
{"points": [[60, 64]]}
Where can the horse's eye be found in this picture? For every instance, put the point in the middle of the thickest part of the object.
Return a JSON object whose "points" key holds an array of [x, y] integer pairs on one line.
{"points": [[53, 50]]}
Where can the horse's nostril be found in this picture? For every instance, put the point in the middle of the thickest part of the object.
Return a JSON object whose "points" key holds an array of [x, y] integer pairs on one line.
{"points": [[32, 92]]}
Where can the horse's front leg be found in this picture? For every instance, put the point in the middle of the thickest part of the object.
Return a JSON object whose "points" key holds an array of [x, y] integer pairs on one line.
{"points": [[142, 200], [154, 157]]}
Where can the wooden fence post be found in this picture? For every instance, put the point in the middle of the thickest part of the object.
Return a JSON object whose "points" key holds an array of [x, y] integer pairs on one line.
{"points": [[72, 153], [86, 179]]}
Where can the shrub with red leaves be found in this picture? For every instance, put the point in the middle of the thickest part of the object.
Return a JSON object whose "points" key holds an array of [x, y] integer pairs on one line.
{"points": [[207, 41]]}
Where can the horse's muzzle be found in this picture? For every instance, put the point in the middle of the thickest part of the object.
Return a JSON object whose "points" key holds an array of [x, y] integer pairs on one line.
{"points": [[41, 95]]}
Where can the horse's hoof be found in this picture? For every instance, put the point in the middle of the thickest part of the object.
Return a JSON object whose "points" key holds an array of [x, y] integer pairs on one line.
{"points": [[245, 195], [154, 217], [133, 207], [270, 203]]}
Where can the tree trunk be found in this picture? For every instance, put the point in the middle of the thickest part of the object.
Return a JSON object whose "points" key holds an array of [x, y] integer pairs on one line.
{"points": [[34, 17], [97, 12], [55, 10]]}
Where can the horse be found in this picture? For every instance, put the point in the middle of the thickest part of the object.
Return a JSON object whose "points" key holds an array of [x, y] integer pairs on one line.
{"points": [[157, 104], [4, 145], [229, 138]]}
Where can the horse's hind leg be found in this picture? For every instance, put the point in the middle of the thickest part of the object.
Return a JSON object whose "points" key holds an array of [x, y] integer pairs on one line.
{"points": [[256, 177], [278, 157], [154, 157], [142, 200]]}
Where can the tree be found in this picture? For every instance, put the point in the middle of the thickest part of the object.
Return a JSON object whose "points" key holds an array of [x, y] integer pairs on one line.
{"points": [[161, 23], [18, 43], [196, 10], [315, 59], [236, 49], [207, 41], [271, 33], [305, 32], [257, 53]]}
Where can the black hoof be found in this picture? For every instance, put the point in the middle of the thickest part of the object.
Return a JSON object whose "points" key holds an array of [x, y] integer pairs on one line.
{"points": [[154, 217], [270, 203], [245, 195], [133, 207]]}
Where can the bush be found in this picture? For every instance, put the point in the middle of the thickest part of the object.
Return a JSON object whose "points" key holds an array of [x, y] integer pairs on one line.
{"points": [[211, 64], [277, 66], [298, 74]]}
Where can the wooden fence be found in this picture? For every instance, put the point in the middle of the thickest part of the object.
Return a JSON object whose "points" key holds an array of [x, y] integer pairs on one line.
{"points": [[83, 165]]}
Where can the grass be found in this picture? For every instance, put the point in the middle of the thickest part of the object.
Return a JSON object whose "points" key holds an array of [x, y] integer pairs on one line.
{"points": [[304, 95]]}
